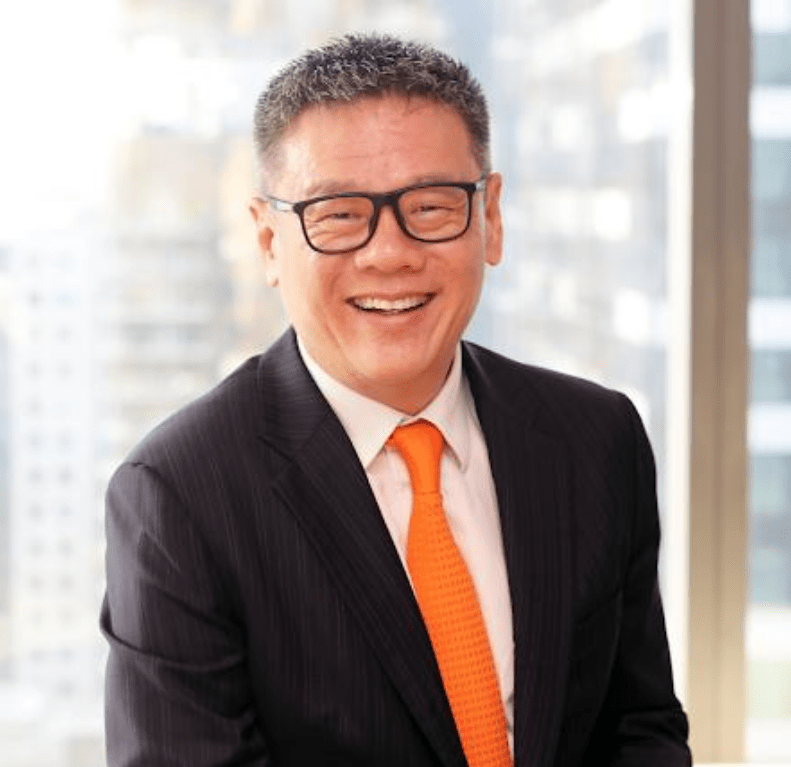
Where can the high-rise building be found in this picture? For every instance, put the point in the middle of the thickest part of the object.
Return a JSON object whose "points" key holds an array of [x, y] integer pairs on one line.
{"points": [[769, 618], [581, 98], [157, 291], [150, 295], [5, 458], [54, 529]]}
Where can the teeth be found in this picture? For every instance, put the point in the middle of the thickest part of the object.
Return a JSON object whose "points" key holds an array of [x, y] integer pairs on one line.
{"points": [[383, 305]]}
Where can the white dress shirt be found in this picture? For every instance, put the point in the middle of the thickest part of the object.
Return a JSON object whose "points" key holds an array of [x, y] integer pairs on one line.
{"points": [[468, 494]]}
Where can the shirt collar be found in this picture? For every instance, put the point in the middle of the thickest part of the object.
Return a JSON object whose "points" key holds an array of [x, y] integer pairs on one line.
{"points": [[370, 423]]}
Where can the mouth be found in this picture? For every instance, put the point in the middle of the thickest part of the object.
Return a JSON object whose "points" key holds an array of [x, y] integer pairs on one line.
{"points": [[391, 306]]}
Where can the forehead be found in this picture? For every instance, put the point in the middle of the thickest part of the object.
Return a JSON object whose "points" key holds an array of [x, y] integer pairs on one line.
{"points": [[374, 143]]}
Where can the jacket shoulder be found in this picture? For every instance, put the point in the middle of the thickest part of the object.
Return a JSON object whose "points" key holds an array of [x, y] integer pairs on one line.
{"points": [[548, 398], [210, 414]]}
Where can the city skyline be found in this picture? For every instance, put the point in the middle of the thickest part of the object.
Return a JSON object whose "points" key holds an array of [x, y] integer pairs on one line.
{"points": [[132, 284]]}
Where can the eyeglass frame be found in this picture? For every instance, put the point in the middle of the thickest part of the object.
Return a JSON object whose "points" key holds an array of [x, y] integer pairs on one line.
{"points": [[379, 201]]}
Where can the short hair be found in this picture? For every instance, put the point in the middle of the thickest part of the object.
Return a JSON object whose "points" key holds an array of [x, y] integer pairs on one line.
{"points": [[358, 66]]}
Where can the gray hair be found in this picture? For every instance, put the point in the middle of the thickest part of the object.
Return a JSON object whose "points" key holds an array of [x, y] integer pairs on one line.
{"points": [[359, 66]]}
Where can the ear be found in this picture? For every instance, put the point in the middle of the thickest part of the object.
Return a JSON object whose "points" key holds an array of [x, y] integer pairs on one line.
{"points": [[265, 235], [493, 219]]}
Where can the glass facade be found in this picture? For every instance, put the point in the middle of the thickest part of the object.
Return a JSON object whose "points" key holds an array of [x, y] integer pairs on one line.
{"points": [[146, 289], [769, 613], [581, 105]]}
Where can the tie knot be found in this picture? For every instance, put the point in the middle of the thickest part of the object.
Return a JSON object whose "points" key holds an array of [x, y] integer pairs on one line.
{"points": [[420, 444]]}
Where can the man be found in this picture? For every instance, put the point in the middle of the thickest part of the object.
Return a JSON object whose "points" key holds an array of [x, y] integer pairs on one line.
{"points": [[266, 602]]}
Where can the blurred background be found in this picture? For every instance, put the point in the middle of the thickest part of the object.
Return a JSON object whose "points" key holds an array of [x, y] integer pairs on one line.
{"points": [[129, 283]]}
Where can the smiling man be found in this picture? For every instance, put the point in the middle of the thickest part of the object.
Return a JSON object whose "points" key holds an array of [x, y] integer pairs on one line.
{"points": [[380, 310], [376, 544]]}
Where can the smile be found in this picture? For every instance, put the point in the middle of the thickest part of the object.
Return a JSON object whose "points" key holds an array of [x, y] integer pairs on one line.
{"points": [[391, 306]]}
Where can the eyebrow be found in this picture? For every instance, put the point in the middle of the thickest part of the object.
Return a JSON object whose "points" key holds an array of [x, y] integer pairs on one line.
{"points": [[321, 188]]}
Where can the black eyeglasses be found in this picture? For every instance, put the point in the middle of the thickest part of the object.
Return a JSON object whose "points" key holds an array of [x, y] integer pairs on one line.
{"points": [[340, 223]]}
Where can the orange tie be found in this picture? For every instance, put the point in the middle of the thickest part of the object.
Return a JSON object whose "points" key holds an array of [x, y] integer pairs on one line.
{"points": [[449, 604]]}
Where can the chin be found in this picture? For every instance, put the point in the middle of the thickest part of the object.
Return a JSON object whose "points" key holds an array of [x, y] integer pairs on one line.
{"points": [[400, 380], [390, 377]]}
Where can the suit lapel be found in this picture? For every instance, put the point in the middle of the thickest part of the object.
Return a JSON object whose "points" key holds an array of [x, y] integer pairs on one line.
{"points": [[326, 488], [532, 479]]}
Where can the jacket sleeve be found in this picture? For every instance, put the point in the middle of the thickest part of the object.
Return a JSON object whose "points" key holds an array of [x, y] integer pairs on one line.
{"points": [[177, 687], [641, 723]]}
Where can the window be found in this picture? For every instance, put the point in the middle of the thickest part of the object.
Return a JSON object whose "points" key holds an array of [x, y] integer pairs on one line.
{"points": [[769, 610], [131, 282]]}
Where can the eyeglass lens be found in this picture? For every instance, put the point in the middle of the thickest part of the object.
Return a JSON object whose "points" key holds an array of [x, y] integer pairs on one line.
{"points": [[431, 213]]}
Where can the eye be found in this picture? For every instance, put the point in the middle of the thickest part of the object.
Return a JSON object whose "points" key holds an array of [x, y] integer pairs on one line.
{"points": [[433, 201], [429, 207], [342, 210], [342, 214]]}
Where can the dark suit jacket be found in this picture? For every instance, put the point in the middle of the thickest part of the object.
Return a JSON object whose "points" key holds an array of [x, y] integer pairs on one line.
{"points": [[258, 613]]}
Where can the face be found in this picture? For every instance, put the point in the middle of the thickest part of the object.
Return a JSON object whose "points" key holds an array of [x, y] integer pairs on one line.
{"points": [[385, 319]]}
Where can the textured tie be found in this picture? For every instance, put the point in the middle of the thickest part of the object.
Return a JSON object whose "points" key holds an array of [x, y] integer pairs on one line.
{"points": [[449, 604]]}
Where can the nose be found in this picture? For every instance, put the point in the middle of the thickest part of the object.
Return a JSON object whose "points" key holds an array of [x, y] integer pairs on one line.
{"points": [[390, 249]]}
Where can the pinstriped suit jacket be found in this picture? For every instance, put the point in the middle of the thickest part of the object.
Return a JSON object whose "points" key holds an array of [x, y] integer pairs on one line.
{"points": [[258, 614]]}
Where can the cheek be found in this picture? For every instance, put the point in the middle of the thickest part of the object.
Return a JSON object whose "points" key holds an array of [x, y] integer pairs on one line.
{"points": [[307, 290], [467, 286], [470, 280]]}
